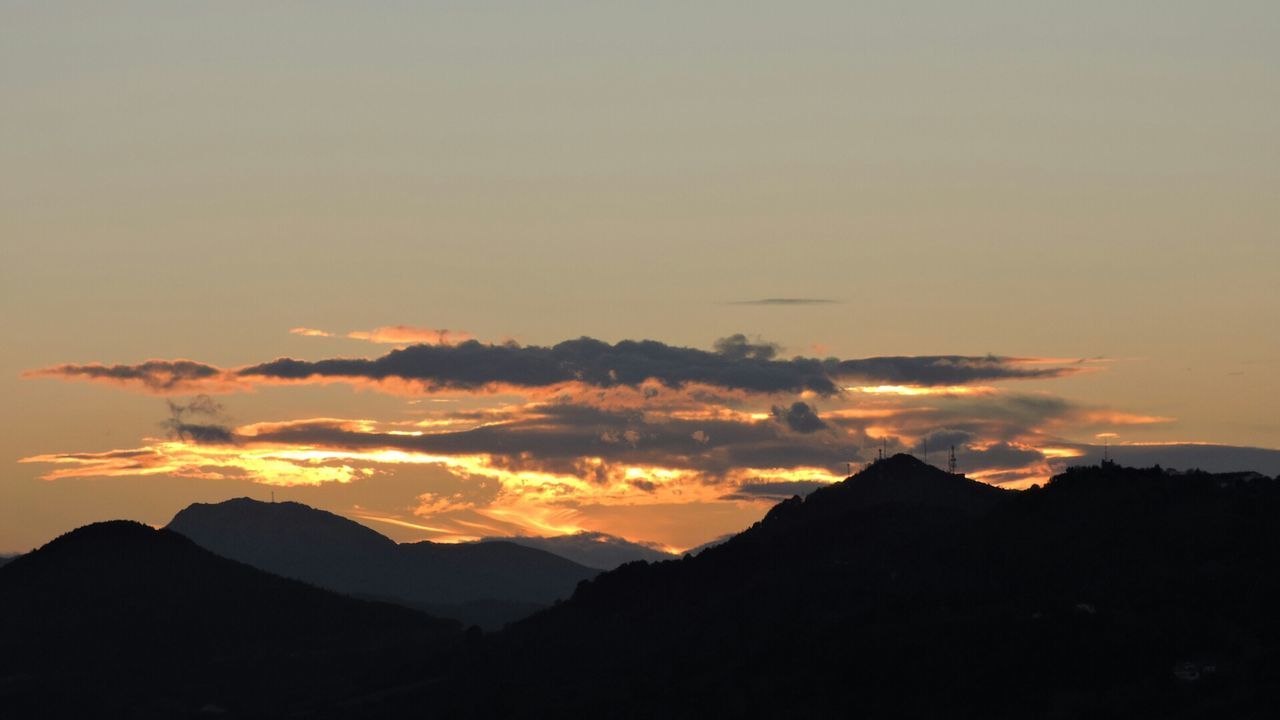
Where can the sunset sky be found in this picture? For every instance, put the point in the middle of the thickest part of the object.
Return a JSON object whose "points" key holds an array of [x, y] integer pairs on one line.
{"points": [[458, 270]]}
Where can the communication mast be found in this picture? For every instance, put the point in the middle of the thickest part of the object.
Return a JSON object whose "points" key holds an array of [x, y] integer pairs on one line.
{"points": [[951, 461]]}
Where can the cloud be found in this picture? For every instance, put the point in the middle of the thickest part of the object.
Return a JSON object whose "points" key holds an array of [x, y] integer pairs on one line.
{"points": [[475, 366], [156, 376], [181, 428], [1000, 456], [310, 332], [1185, 456], [800, 417], [774, 491], [942, 439], [395, 335], [736, 365], [738, 347], [947, 369], [409, 335], [550, 431], [594, 444]]}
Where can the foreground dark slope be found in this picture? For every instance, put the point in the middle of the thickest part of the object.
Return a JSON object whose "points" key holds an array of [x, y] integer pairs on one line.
{"points": [[908, 592], [119, 619], [482, 583]]}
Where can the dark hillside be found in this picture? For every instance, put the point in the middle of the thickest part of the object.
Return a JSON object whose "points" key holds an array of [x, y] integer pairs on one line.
{"points": [[126, 620], [908, 592]]}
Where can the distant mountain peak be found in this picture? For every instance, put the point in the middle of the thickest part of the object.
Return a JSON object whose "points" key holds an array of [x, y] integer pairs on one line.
{"points": [[592, 549], [336, 553], [901, 480], [906, 478], [282, 522]]}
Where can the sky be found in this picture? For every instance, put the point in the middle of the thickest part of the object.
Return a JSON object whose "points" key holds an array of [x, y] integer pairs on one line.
{"points": [[1020, 229]]}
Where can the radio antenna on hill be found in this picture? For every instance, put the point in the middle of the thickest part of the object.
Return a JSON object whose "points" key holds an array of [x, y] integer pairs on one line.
{"points": [[951, 461]]}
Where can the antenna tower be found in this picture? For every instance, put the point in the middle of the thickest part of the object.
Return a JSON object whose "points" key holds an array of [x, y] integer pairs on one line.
{"points": [[951, 461]]}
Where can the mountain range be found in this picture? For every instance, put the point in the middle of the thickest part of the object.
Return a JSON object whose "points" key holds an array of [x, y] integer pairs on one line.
{"points": [[908, 592], [486, 584], [592, 549], [118, 619], [901, 592]]}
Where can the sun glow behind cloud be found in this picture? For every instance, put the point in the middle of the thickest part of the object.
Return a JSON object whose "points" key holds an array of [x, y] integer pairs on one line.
{"points": [[918, 390]]}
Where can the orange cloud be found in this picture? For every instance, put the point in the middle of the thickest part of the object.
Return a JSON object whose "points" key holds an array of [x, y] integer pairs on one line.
{"points": [[924, 390], [395, 335], [409, 335]]}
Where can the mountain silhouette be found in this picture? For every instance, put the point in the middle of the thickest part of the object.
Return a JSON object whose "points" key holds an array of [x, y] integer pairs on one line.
{"points": [[592, 549], [901, 592], [119, 619], [486, 583], [908, 592]]}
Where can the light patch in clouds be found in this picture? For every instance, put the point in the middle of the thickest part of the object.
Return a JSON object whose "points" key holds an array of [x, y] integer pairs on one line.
{"points": [[912, 390], [409, 335], [394, 335]]}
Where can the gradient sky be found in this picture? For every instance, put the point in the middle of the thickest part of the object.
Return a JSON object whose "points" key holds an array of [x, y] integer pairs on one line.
{"points": [[1091, 188]]}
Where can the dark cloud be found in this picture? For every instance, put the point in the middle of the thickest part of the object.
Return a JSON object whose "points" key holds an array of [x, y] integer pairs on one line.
{"points": [[831, 456], [738, 347], [204, 434], [943, 369], [155, 375], [110, 454], [198, 405], [182, 427], [739, 365], [942, 440], [780, 490], [999, 456], [1185, 456], [800, 417]]}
